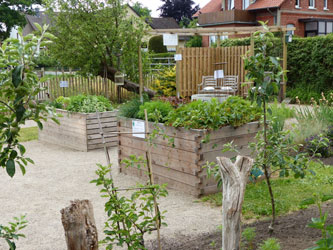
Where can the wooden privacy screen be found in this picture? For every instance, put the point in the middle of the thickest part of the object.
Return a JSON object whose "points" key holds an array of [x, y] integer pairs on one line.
{"points": [[198, 62]]}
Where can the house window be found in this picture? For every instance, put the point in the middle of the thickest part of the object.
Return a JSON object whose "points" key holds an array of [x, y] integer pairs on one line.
{"points": [[246, 4], [312, 4], [325, 5], [297, 4], [231, 4], [318, 28], [213, 39], [291, 32]]}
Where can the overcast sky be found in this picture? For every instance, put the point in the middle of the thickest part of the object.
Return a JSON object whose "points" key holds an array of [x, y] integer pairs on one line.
{"points": [[155, 4]]}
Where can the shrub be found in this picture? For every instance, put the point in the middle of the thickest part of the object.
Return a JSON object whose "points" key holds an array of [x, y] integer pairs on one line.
{"points": [[83, 103], [195, 41], [44, 59], [156, 45], [318, 144], [165, 84], [270, 244], [157, 111], [131, 108]]}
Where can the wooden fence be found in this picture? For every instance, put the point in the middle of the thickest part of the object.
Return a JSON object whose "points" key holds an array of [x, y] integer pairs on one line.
{"points": [[198, 62], [82, 85]]}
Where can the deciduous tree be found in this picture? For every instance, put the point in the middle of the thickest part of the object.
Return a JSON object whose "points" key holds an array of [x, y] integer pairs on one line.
{"points": [[178, 9]]}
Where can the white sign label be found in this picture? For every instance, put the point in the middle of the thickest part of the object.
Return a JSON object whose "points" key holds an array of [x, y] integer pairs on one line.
{"points": [[178, 57], [138, 127], [170, 39], [218, 74], [63, 84]]}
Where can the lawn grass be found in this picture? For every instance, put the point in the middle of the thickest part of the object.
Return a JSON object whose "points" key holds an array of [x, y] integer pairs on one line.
{"points": [[28, 134], [288, 192]]}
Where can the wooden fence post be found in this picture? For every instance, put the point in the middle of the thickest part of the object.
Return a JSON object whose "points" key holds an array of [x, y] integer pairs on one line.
{"points": [[79, 225], [234, 179]]}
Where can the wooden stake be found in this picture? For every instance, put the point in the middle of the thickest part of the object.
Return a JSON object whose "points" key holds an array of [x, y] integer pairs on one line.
{"points": [[79, 225], [151, 180], [234, 179], [140, 73], [285, 57]]}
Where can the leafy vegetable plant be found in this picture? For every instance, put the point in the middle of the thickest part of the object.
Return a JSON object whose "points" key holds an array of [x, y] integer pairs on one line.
{"points": [[157, 111]]}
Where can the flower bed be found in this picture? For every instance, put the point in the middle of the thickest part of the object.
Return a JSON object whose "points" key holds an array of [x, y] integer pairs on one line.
{"points": [[181, 164], [81, 130]]}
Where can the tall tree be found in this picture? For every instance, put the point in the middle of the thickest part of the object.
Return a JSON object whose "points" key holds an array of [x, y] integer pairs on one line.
{"points": [[98, 37], [178, 9], [12, 14], [141, 10]]}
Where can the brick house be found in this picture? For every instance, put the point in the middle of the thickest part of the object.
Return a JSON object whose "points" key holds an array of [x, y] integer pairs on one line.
{"points": [[310, 17]]}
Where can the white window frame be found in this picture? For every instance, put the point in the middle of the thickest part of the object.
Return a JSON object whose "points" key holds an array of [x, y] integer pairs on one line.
{"points": [[297, 5], [313, 6], [325, 4], [231, 4], [244, 4]]}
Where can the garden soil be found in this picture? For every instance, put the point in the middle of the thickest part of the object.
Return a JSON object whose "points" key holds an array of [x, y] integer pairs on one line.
{"points": [[60, 175]]}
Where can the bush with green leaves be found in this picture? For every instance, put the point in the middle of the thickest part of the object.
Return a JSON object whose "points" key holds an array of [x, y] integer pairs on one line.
{"points": [[270, 244], [11, 232], [83, 103], [19, 86], [165, 83], [156, 45], [131, 108], [157, 111]]}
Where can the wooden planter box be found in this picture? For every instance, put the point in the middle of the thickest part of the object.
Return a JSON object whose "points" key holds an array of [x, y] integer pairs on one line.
{"points": [[181, 165], [80, 131]]}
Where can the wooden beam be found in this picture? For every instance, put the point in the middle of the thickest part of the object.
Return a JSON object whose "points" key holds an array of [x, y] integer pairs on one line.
{"points": [[285, 57], [218, 30], [140, 73]]}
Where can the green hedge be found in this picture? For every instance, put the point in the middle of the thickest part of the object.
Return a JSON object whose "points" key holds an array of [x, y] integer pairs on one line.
{"points": [[310, 63], [156, 45]]}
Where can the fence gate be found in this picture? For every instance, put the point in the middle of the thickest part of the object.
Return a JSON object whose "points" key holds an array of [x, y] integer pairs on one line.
{"points": [[198, 62]]}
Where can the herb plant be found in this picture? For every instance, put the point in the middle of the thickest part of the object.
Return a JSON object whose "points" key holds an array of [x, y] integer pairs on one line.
{"points": [[131, 108], [157, 111]]}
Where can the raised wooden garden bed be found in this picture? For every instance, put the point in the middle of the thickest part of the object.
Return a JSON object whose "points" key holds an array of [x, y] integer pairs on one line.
{"points": [[81, 131], [181, 165]]}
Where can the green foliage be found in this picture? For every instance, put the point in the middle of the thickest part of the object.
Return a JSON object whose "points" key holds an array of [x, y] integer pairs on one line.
{"points": [[128, 218], [12, 13], [165, 83], [326, 242], [156, 45], [159, 55], [141, 10], [19, 85], [304, 93], [83, 103], [248, 236], [131, 108], [92, 34], [270, 244], [195, 41], [212, 115], [45, 59], [11, 232], [157, 111]]}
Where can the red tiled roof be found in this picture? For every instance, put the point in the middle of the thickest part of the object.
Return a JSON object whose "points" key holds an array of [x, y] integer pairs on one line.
{"points": [[212, 6], [264, 4]]}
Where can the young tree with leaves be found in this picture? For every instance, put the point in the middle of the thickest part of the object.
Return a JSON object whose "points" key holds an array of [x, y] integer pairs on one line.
{"points": [[12, 14], [178, 9], [97, 37]]}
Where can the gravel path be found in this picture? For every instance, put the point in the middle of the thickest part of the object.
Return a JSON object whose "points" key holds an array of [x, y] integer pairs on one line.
{"points": [[61, 175]]}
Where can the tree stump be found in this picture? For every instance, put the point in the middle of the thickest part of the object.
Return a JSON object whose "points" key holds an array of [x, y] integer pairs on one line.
{"points": [[79, 224], [234, 179]]}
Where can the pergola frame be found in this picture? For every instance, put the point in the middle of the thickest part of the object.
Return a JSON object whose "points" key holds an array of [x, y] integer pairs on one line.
{"points": [[219, 31]]}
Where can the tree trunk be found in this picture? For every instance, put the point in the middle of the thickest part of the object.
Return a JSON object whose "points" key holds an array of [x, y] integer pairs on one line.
{"points": [[234, 179], [79, 224], [128, 85]]}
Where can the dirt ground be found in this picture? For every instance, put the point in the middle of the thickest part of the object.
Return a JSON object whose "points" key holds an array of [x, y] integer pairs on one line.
{"points": [[291, 231]]}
